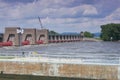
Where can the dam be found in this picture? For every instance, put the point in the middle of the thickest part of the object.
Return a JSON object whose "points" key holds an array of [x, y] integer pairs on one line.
{"points": [[16, 36]]}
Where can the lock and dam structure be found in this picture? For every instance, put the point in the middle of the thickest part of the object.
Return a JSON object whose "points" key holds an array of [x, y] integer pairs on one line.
{"points": [[28, 36], [37, 65]]}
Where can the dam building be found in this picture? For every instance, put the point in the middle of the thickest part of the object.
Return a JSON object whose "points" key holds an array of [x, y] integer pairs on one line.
{"points": [[16, 36]]}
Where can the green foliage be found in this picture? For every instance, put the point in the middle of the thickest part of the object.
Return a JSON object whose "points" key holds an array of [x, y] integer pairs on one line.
{"points": [[88, 34], [110, 32], [52, 33], [33, 77]]}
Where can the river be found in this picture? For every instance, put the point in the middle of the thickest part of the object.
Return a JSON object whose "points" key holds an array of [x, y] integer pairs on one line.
{"points": [[91, 52]]}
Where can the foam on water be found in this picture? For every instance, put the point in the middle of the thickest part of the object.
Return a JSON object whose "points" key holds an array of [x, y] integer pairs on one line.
{"points": [[77, 52]]}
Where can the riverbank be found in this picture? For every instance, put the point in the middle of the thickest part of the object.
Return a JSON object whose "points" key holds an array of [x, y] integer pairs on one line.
{"points": [[92, 39], [31, 77]]}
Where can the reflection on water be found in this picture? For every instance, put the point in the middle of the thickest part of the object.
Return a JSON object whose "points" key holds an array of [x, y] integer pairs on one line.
{"points": [[96, 52]]}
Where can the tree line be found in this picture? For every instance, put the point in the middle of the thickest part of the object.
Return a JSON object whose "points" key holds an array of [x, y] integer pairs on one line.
{"points": [[110, 32]]}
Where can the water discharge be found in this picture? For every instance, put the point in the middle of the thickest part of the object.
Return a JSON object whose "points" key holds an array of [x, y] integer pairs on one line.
{"points": [[88, 52]]}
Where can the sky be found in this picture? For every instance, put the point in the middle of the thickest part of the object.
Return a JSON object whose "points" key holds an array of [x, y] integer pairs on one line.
{"points": [[59, 15]]}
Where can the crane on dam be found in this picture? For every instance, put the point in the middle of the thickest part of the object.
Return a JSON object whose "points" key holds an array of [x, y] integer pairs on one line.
{"points": [[40, 22]]}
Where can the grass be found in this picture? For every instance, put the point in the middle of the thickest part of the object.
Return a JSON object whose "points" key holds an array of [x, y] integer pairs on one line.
{"points": [[31, 77], [7, 57], [98, 38]]}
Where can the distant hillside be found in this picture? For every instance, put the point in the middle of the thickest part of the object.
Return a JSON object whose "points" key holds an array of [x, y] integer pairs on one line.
{"points": [[97, 34], [69, 33]]}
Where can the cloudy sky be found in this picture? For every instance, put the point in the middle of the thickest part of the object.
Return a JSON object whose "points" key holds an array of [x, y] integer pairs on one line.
{"points": [[59, 15]]}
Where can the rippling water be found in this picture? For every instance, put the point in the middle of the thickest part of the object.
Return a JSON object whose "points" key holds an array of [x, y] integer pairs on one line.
{"points": [[97, 52]]}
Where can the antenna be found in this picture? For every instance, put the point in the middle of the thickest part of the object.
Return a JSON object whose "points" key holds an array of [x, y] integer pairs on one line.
{"points": [[40, 22]]}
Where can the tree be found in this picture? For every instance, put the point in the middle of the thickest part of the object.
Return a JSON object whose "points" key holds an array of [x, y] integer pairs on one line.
{"points": [[110, 32], [88, 34], [53, 32]]}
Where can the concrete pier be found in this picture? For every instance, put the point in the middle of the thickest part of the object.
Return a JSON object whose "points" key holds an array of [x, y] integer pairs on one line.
{"points": [[60, 68], [64, 38], [11, 35], [28, 36]]}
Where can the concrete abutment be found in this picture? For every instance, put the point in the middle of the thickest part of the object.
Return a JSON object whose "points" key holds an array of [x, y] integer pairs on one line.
{"points": [[87, 71]]}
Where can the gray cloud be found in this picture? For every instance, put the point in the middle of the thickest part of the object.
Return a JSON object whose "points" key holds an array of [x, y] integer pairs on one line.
{"points": [[58, 14]]}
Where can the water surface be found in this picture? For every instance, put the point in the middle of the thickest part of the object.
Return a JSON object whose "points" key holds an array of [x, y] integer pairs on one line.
{"points": [[95, 52]]}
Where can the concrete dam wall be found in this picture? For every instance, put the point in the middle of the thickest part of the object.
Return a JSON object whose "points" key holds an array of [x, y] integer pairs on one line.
{"points": [[87, 71]]}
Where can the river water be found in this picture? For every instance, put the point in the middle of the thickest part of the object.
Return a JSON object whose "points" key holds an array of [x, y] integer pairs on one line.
{"points": [[92, 52]]}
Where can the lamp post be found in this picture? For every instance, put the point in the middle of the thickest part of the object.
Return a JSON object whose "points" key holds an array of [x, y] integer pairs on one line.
{"points": [[111, 38], [20, 31]]}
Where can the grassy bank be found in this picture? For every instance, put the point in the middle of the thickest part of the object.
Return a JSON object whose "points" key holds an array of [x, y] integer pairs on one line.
{"points": [[30, 77], [7, 57]]}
